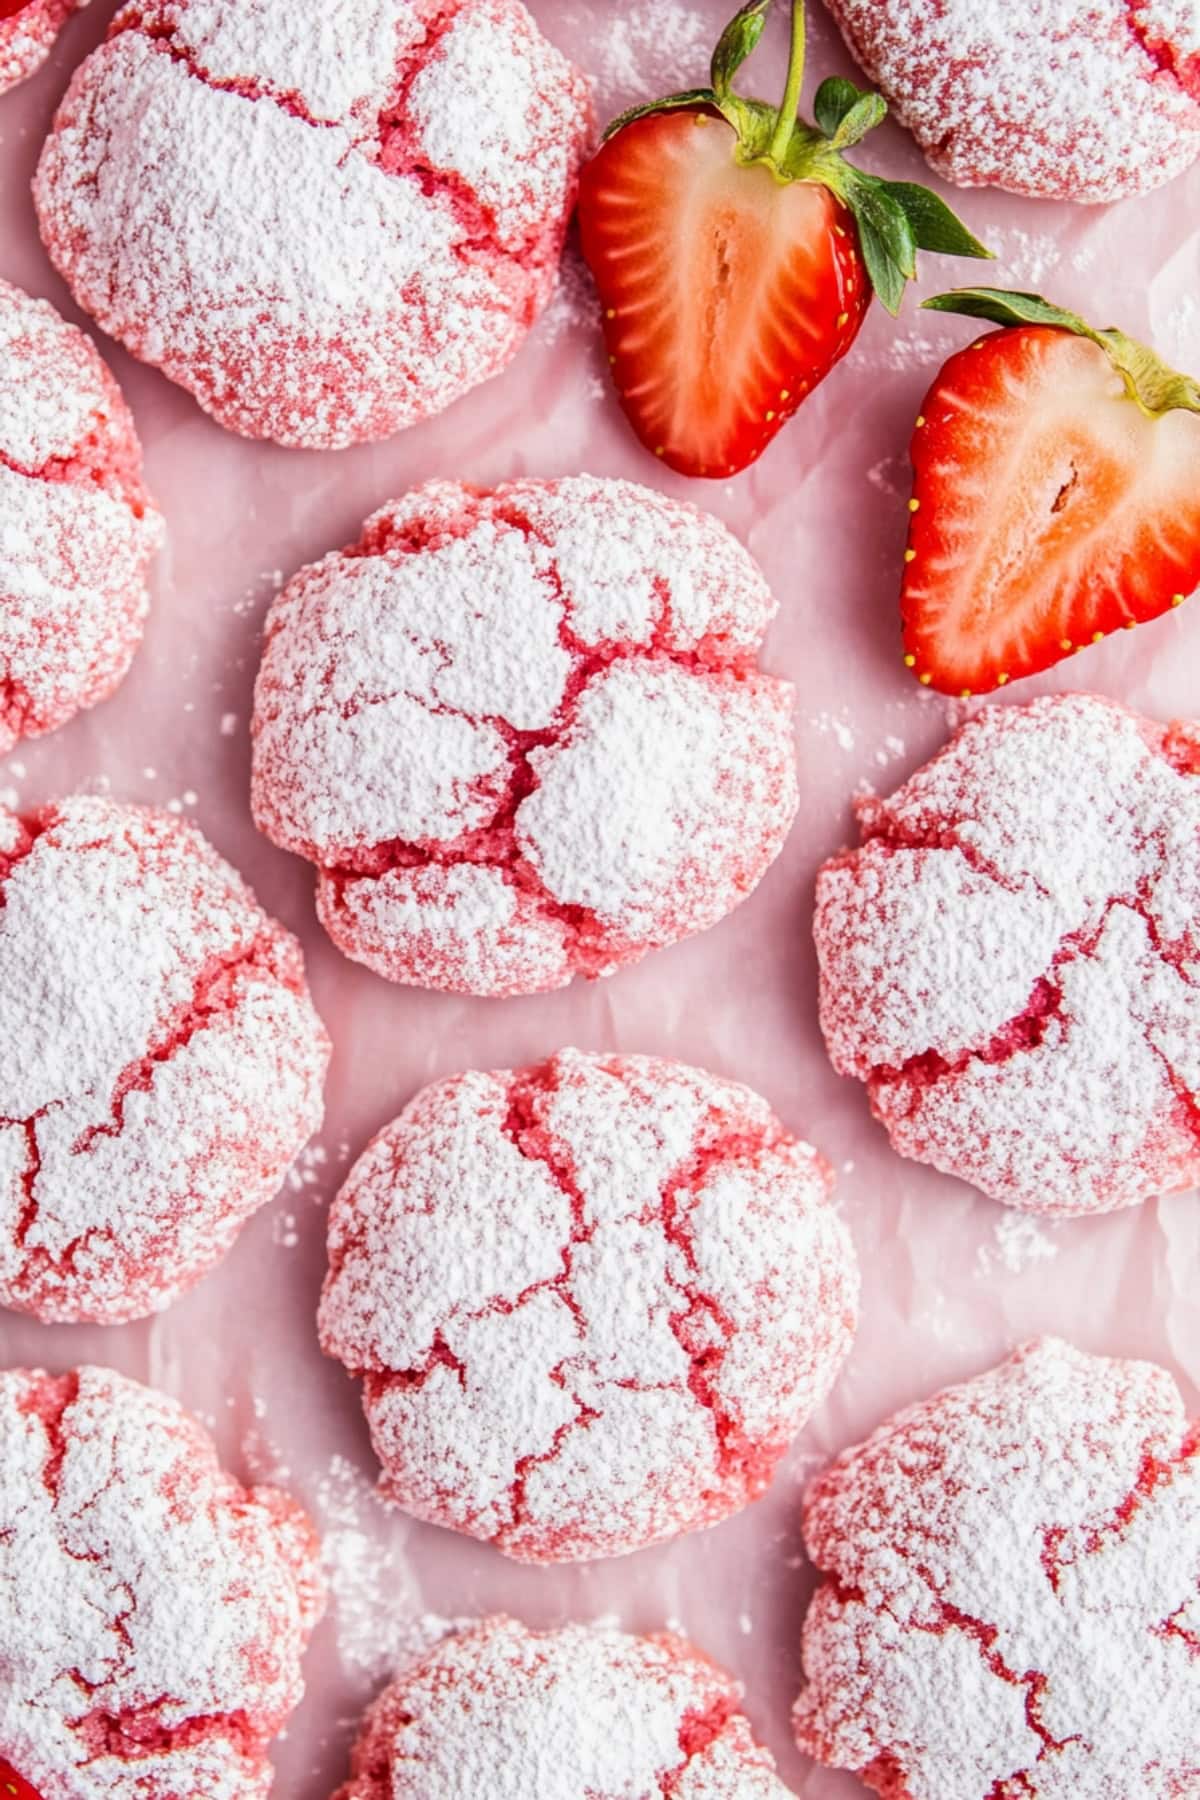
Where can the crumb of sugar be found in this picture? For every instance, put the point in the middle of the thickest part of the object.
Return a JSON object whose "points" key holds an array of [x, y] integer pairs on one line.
{"points": [[156, 1612], [1008, 960], [496, 1710], [590, 1302], [1030, 1543]]}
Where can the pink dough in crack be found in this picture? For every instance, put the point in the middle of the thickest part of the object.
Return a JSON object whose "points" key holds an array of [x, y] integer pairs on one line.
{"points": [[161, 1061], [1012, 1594], [522, 734], [1068, 99], [1010, 959], [77, 531], [497, 1711], [155, 1612], [28, 31], [327, 223], [590, 1302]]}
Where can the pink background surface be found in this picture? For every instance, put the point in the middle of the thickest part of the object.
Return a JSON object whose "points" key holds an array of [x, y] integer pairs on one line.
{"points": [[951, 1281]]}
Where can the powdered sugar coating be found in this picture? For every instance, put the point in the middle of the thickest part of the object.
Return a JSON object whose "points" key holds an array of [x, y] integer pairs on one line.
{"points": [[522, 734], [329, 228], [77, 532], [591, 1302], [1068, 99], [27, 37], [503, 1713], [161, 1061], [155, 1611], [1029, 1545], [1010, 959]]}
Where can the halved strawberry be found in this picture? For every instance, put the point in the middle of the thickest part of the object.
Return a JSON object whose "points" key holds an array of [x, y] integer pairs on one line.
{"points": [[735, 251], [13, 1786], [1056, 495]]}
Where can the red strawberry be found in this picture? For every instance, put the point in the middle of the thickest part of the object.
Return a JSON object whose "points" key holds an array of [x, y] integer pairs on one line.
{"points": [[12, 1787], [1056, 495], [735, 250]]}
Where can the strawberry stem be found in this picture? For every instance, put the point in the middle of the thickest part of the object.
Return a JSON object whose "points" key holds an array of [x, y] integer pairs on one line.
{"points": [[785, 122]]}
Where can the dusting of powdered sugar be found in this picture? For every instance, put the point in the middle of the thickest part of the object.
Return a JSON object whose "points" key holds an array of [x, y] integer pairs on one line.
{"points": [[591, 1302], [161, 1061], [77, 532], [651, 49], [391, 181], [1030, 1544], [522, 734], [1019, 1241], [503, 1713], [1073, 99], [27, 37], [1009, 959], [156, 1612]]}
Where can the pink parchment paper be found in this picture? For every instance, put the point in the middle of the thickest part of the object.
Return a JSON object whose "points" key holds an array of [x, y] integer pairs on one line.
{"points": [[951, 1281]]}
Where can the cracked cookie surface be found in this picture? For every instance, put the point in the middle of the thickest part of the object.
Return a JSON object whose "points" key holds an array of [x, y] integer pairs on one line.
{"points": [[1010, 959], [1072, 99], [326, 224], [590, 1302], [79, 532], [1028, 1543], [522, 734], [155, 1611], [502, 1713], [161, 1064]]}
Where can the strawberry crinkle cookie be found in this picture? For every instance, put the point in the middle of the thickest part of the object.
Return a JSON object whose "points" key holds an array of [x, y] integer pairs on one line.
{"points": [[497, 1711], [155, 1611], [522, 734], [1067, 99], [590, 1302], [28, 32], [162, 1062], [1008, 959], [1012, 1595], [78, 531], [327, 223]]}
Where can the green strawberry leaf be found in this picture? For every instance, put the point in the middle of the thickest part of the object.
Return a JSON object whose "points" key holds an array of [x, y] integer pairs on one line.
{"points": [[934, 226], [1000, 307], [738, 41], [672, 103], [866, 113], [833, 100]]}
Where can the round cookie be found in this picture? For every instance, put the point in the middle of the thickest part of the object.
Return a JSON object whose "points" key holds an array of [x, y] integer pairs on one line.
{"points": [[79, 531], [1029, 1545], [155, 1611], [590, 1302], [28, 30], [1007, 960], [326, 224], [496, 1711], [161, 1061], [522, 734], [1068, 99]]}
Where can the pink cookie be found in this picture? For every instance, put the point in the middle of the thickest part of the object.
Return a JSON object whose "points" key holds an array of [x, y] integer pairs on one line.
{"points": [[590, 1302], [28, 30], [1012, 1603], [155, 1612], [326, 222], [1070, 99], [496, 1711], [78, 530], [161, 1061], [1008, 960], [522, 734]]}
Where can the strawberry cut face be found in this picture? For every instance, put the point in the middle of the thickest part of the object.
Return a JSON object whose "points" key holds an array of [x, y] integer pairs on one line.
{"points": [[1049, 510], [13, 1786], [727, 293]]}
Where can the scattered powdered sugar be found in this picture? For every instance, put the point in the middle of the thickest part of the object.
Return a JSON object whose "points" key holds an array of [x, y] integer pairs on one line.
{"points": [[590, 1302], [161, 1062], [1019, 1242], [1028, 1543], [390, 183], [77, 532], [373, 1586], [522, 734], [27, 36], [1010, 959], [1073, 99], [503, 1713], [654, 48], [156, 1612]]}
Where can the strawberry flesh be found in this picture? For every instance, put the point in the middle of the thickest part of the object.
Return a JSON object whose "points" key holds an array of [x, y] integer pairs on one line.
{"points": [[1048, 510]]}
